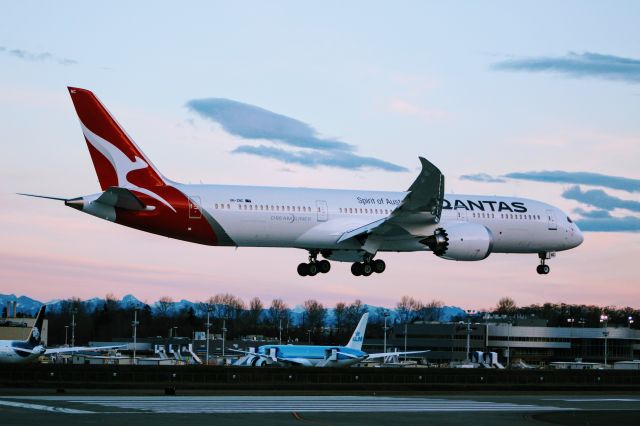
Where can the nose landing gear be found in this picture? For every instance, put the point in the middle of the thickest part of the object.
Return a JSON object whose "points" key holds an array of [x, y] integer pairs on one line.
{"points": [[543, 268]]}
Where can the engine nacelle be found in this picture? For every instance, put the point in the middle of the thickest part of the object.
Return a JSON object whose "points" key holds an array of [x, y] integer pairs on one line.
{"points": [[461, 241]]}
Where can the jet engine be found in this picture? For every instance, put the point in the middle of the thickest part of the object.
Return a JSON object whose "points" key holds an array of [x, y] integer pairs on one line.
{"points": [[461, 241]]}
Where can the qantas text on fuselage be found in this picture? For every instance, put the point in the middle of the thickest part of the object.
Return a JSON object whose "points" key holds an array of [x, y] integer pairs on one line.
{"points": [[338, 225]]}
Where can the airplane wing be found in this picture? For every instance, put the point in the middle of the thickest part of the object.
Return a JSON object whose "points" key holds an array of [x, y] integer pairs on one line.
{"points": [[386, 354], [421, 206], [81, 348]]}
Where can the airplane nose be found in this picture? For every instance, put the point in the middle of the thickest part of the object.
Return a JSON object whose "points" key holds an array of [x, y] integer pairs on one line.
{"points": [[578, 237]]}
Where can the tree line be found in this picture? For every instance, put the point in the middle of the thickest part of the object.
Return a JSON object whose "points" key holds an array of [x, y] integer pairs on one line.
{"points": [[112, 320]]}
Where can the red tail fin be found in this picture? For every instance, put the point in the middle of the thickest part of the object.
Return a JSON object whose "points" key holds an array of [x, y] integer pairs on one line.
{"points": [[116, 158]]}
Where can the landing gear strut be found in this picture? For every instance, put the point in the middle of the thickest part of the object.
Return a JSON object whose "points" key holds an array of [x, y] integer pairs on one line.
{"points": [[543, 268], [314, 266], [368, 267]]}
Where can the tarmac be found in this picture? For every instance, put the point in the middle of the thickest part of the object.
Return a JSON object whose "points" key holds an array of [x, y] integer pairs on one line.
{"points": [[35, 407]]}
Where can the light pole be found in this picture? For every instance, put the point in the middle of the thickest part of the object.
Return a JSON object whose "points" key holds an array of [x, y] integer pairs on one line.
{"points": [[405, 341], [135, 323], [66, 329], [224, 332], [309, 333], [469, 313], [604, 318], [280, 330], [386, 315], [209, 309], [74, 311], [509, 344], [629, 322]]}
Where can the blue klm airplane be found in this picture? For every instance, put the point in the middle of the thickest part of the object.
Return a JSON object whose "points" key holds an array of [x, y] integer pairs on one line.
{"points": [[316, 356]]}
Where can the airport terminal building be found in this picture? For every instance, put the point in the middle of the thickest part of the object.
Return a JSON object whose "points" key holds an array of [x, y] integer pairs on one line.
{"points": [[529, 340]]}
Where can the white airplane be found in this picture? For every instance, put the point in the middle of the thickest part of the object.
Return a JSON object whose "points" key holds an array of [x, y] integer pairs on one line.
{"points": [[316, 356], [18, 351], [340, 225]]}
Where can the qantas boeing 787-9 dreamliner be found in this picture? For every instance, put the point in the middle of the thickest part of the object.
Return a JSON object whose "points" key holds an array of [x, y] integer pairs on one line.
{"points": [[340, 225]]}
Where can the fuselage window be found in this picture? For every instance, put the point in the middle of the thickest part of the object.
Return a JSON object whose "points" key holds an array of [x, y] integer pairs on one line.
{"points": [[350, 210], [216, 205]]}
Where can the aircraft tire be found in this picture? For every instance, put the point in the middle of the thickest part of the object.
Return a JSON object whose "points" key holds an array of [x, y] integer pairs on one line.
{"points": [[324, 266], [543, 269], [367, 269], [312, 268], [303, 269], [356, 269], [379, 266]]}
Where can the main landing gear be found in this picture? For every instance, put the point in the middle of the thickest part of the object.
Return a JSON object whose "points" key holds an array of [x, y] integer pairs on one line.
{"points": [[314, 266], [543, 268], [368, 267]]}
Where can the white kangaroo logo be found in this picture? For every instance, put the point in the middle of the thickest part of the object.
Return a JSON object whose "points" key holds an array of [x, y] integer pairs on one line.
{"points": [[121, 163]]}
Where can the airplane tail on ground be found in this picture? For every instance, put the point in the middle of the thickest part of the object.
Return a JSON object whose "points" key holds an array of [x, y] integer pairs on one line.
{"points": [[358, 335], [36, 331], [117, 159]]}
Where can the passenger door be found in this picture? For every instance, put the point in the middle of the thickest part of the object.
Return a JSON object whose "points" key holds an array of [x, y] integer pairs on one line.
{"points": [[323, 213], [552, 225]]}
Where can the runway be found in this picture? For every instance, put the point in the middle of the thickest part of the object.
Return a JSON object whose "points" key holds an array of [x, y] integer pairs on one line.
{"points": [[281, 404], [279, 409]]}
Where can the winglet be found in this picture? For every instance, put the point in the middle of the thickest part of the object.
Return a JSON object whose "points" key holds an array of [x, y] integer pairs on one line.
{"points": [[358, 335]]}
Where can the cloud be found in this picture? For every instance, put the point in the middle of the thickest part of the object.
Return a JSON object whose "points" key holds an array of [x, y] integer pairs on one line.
{"points": [[340, 159], [600, 199], [37, 57], [578, 65], [593, 214], [252, 122], [255, 123], [585, 178], [610, 224], [482, 177]]}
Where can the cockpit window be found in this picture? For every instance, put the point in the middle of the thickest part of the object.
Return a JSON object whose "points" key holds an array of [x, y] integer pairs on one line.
{"points": [[569, 219]]}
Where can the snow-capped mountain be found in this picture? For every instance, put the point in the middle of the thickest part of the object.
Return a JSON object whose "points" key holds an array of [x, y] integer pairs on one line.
{"points": [[28, 306]]}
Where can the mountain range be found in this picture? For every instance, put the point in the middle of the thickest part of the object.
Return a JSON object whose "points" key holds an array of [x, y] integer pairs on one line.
{"points": [[29, 306]]}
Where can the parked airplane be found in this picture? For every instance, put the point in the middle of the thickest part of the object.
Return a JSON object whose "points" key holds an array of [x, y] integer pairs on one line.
{"points": [[15, 351], [341, 225], [317, 356]]}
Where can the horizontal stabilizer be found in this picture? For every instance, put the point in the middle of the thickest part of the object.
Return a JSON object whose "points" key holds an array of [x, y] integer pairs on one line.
{"points": [[122, 198]]}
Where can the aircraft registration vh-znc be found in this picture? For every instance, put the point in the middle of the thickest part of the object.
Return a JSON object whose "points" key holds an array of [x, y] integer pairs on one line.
{"points": [[340, 225]]}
